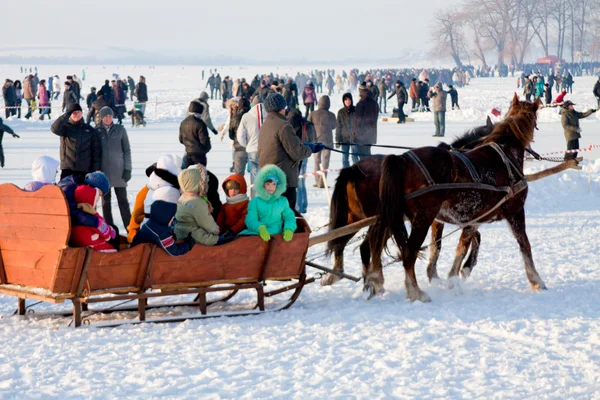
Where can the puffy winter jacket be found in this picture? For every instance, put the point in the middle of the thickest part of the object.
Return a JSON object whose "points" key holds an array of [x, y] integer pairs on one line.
{"points": [[194, 220], [271, 210], [159, 231], [232, 216], [162, 184], [78, 217], [193, 134], [247, 133], [80, 148]]}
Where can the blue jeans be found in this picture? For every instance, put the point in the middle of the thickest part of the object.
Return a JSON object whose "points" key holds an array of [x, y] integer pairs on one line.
{"points": [[253, 167], [345, 156], [360, 152], [301, 197]]}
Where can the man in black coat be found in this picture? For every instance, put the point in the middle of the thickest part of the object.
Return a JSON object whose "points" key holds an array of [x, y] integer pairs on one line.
{"points": [[454, 97], [402, 97], [424, 95], [91, 98], [193, 134], [366, 115], [80, 148], [7, 129], [10, 97], [141, 92]]}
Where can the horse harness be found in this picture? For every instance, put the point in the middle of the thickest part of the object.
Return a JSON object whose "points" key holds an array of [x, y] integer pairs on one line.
{"points": [[516, 186]]}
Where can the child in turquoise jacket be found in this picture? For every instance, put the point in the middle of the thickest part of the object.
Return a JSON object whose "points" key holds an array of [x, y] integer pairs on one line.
{"points": [[269, 213]]}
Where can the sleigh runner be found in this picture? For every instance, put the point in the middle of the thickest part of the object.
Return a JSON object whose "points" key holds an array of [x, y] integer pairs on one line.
{"points": [[37, 263]]}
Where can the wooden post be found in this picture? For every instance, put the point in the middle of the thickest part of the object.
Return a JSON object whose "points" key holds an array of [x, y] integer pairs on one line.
{"points": [[202, 303], [77, 312], [324, 179], [142, 309], [260, 294], [21, 306]]}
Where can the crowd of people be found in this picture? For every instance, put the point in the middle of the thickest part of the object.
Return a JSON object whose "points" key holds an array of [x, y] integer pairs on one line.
{"points": [[39, 94]]}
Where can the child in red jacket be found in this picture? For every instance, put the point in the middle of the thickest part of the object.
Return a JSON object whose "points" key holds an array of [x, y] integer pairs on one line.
{"points": [[88, 198], [232, 216]]}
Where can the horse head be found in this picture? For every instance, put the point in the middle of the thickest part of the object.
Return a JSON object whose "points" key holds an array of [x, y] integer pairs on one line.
{"points": [[520, 122]]}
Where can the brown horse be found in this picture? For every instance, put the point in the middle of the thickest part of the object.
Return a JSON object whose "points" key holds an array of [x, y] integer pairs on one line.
{"points": [[447, 190], [356, 196]]}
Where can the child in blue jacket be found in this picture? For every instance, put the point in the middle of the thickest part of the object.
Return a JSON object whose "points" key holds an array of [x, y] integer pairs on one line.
{"points": [[269, 213]]}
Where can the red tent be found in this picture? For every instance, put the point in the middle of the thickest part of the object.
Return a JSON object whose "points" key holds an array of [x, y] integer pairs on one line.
{"points": [[549, 60]]}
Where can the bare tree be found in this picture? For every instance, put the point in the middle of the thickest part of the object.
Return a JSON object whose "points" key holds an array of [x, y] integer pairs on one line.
{"points": [[448, 34], [541, 24]]}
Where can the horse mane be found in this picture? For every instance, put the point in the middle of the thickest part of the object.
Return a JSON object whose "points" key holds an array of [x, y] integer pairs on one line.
{"points": [[519, 124], [473, 137]]}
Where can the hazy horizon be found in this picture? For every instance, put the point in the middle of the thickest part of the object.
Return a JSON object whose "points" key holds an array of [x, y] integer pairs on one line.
{"points": [[242, 29]]}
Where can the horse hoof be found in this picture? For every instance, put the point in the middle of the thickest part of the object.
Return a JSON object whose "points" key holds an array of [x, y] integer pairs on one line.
{"points": [[329, 279], [372, 290], [418, 295], [454, 284], [434, 277], [465, 273], [539, 286]]}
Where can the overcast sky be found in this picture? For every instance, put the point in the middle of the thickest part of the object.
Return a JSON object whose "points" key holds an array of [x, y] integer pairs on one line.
{"points": [[254, 29]]}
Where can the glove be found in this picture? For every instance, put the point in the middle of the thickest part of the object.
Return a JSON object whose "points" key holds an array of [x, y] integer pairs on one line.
{"points": [[288, 235], [315, 147], [215, 131], [263, 233], [225, 238], [16, 136], [105, 229], [127, 175]]}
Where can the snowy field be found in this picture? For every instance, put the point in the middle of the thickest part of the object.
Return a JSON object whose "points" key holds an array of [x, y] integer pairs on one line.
{"points": [[489, 337]]}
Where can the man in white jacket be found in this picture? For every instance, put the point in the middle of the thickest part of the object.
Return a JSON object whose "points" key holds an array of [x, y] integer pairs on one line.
{"points": [[247, 133]]}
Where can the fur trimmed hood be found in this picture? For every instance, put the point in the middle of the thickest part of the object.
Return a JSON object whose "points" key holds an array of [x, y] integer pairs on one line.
{"points": [[263, 175]]}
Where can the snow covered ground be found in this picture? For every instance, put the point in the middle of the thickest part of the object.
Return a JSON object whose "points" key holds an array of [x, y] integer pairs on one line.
{"points": [[490, 337]]}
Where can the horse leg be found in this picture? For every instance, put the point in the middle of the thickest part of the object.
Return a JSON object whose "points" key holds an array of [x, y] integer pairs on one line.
{"points": [[373, 271], [338, 264], [472, 259], [437, 229], [516, 222], [461, 250], [418, 233]]}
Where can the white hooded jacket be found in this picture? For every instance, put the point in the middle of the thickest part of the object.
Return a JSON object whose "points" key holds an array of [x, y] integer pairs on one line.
{"points": [[247, 133], [43, 171], [159, 189]]}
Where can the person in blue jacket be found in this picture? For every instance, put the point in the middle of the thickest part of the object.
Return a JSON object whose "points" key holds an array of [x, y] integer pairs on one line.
{"points": [[159, 230], [269, 213]]}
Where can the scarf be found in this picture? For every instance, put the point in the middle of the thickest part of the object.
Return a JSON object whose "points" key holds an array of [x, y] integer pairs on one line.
{"points": [[237, 199]]}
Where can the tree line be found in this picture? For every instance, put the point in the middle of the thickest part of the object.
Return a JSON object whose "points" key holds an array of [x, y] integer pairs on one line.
{"points": [[568, 29]]}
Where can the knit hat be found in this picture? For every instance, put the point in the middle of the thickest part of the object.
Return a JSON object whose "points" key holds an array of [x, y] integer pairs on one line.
{"points": [[194, 179], [275, 102], [203, 96], [195, 107], [273, 178], [363, 87], [85, 194], [74, 107], [104, 111], [98, 180]]}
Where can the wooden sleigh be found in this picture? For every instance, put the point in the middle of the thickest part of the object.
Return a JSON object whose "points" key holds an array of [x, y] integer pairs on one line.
{"points": [[37, 263]]}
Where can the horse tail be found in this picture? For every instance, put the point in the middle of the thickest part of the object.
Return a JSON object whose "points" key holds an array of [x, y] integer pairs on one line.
{"points": [[339, 209], [392, 207]]}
